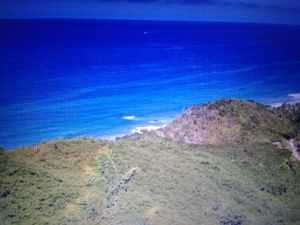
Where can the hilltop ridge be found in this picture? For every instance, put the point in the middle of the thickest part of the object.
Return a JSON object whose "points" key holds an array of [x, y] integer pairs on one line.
{"points": [[232, 121]]}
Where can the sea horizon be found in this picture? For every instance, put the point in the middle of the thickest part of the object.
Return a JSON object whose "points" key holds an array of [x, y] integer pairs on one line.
{"points": [[66, 78]]}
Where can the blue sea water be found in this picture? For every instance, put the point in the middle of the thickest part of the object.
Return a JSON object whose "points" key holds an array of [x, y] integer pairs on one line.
{"points": [[101, 78]]}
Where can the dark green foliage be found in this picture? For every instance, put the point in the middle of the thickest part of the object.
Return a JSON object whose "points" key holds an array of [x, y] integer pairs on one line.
{"points": [[232, 220], [275, 189], [290, 112]]}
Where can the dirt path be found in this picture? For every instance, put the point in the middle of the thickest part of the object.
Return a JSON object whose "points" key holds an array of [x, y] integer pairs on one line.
{"points": [[294, 149]]}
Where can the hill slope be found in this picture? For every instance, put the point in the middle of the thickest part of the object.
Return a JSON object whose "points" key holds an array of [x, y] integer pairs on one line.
{"points": [[233, 122], [150, 180]]}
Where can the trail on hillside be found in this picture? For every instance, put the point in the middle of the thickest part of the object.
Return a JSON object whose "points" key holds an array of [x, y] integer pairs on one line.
{"points": [[294, 149]]}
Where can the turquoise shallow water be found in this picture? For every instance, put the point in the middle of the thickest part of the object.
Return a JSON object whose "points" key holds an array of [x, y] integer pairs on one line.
{"points": [[70, 78]]}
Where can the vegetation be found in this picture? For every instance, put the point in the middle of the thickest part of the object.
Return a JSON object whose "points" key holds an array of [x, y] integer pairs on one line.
{"points": [[290, 112], [147, 179], [234, 122]]}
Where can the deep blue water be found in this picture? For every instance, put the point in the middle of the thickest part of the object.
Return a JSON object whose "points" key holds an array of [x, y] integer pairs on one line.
{"points": [[69, 78]]}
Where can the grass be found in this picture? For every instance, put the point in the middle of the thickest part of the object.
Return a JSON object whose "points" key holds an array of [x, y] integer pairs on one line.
{"points": [[144, 179], [190, 185], [47, 183], [29, 195]]}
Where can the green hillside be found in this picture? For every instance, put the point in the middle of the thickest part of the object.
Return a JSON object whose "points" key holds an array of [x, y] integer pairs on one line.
{"points": [[152, 180]]}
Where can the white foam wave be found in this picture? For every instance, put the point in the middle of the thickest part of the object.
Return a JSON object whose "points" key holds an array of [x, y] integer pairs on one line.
{"points": [[141, 130], [295, 97], [129, 118], [277, 104]]}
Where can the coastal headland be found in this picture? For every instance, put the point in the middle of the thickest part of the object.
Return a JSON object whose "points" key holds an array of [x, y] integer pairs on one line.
{"points": [[228, 162]]}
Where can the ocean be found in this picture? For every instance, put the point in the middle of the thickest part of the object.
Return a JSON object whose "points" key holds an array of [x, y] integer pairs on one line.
{"points": [[105, 78]]}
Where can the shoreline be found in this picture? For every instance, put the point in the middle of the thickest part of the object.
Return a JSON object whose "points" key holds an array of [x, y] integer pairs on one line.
{"points": [[140, 129], [145, 125]]}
